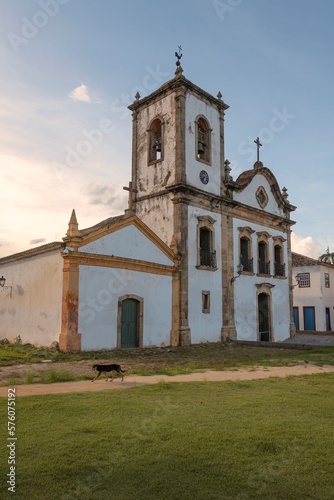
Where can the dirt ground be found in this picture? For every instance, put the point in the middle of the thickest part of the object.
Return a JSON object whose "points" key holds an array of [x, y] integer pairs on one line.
{"points": [[253, 373]]}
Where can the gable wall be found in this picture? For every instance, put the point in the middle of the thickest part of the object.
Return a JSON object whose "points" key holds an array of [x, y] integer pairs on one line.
{"points": [[247, 195], [127, 242]]}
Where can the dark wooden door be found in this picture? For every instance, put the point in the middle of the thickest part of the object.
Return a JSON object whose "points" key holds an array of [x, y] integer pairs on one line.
{"points": [[129, 332], [264, 317]]}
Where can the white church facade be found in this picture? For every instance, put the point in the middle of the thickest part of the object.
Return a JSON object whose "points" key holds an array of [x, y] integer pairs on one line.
{"points": [[196, 257]]}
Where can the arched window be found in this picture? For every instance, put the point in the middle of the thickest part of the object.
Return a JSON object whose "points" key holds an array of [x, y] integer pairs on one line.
{"points": [[155, 143], [203, 140]]}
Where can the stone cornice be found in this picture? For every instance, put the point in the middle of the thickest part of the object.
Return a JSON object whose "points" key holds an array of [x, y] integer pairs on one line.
{"points": [[171, 86], [91, 259]]}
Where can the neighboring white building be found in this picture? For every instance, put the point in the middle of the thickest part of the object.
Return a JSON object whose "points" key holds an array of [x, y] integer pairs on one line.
{"points": [[196, 257], [313, 296]]}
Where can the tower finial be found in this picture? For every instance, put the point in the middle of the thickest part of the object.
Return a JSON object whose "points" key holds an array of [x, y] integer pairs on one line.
{"points": [[73, 227], [178, 56]]}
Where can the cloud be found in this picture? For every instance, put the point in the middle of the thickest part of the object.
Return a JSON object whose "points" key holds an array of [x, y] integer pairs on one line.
{"points": [[37, 240], [306, 246], [80, 93], [101, 192]]}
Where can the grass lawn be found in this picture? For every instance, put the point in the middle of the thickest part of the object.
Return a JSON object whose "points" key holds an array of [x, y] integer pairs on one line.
{"points": [[147, 361], [268, 439]]}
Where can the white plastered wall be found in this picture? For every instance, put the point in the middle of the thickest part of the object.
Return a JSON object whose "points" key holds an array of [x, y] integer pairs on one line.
{"points": [[127, 242], [245, 289], [204, 327], [33, 312], [99, 291], [317, 295]]}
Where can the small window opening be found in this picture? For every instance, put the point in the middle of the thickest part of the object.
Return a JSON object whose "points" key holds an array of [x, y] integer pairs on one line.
{"points": [[205, 302]]}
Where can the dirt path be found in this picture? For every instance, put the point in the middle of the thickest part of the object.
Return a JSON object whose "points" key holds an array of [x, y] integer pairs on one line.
{"points": [[136, 380]]}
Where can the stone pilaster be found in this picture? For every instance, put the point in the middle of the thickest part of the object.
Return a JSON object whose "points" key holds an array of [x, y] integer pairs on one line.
{"points": [[292, 323], [180, 134], [228, 330], [181, 237], [70, 339]]}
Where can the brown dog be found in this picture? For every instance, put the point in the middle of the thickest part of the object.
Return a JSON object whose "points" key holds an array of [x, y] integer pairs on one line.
{"points": [[107, 369]]}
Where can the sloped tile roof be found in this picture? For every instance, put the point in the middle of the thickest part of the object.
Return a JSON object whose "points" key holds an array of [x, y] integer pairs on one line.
{"points": [[48, 247], [105, 223], [299, 260]]}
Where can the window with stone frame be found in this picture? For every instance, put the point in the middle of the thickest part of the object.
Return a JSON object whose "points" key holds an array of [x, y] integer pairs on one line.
{"points": [[245, 249], [327, 281], [279, 265], [206, 252], [203, 140], [155, 142]]}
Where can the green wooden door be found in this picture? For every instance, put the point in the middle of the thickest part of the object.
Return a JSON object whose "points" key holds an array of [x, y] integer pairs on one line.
{"points": [[129, 333]]}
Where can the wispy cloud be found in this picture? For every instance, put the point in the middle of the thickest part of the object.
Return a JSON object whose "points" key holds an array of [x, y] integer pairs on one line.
{"points": [[37, 240], [81, 93]]}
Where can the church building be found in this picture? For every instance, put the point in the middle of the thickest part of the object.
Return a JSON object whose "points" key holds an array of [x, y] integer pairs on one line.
{"points": [[196, 257]]}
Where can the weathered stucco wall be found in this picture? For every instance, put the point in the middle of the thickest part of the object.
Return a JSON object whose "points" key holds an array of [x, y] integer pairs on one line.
{"points": [[99, 292], [194, 108], [157, 214], [154, 177], [34, 310]]}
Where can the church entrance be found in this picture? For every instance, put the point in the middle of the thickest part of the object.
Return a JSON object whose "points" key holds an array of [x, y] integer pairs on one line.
{"points": [[129, 323], [264, 317]]}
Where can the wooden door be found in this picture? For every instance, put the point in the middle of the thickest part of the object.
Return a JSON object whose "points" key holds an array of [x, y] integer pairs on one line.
{"points": [[264, 317], [129, 331]]}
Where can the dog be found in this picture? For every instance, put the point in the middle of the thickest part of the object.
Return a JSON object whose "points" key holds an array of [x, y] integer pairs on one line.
{"points": [[107, 369]]}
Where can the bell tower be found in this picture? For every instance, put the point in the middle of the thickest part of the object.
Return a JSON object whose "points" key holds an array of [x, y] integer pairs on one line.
{"points": [[177, 177]]}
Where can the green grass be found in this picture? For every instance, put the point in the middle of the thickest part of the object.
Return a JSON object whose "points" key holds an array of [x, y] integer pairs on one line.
{"points": [[221, 355], [267, 439]]}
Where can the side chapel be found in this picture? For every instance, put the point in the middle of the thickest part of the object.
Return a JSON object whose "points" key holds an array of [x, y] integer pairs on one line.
{"points": [[196, 257]]}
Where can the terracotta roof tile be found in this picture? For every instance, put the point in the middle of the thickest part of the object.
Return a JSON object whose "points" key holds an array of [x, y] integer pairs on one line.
{"points": [[105, 223], [48, 247], [299, 260]]}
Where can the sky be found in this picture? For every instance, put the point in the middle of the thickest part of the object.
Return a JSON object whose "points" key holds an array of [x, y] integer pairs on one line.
{"points": [[70, 68]]}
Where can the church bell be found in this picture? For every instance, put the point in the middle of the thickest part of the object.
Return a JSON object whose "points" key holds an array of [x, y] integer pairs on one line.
{"points": [[201, 142], [157, 145]]}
